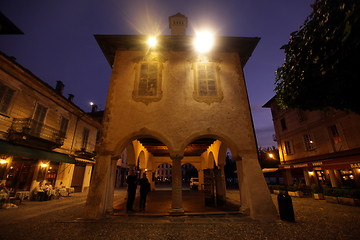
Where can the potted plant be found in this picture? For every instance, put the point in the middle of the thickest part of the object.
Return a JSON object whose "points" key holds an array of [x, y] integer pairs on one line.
{"points": [[349, 196], [330, 195], [317, 192]]}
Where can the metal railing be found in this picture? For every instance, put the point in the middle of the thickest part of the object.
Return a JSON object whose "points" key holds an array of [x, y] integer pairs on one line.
{"points": [[30, 127]]}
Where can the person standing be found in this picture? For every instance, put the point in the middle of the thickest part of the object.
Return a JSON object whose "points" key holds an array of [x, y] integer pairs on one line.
{"points": [[39, 191], [131, 181], [144, 190]]}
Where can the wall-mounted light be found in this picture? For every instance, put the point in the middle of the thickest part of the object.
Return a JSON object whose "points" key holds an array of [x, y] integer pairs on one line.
{"points": [[271, 155], [311, 173], [44, 165], [3, 161], [204, 41]]}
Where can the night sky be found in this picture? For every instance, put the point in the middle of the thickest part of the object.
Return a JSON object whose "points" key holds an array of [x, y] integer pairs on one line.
{"points": [[58, 43]]}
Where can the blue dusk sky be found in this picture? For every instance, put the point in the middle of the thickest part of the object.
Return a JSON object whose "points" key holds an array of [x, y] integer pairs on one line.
{"points": [[58, 43]]}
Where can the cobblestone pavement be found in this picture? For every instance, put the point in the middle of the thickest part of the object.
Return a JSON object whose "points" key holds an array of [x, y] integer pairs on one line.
{"points": [[61, 219]]}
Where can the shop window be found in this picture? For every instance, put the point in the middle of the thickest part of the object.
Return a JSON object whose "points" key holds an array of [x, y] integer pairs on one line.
{"points": [[347, 177], [6, 95], [20, 174], [309, 142], [335, 134], [52, 173]]}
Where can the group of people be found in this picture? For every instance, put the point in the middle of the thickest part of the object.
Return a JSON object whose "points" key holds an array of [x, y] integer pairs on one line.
{"points": [[132, 182], [43, 191]]}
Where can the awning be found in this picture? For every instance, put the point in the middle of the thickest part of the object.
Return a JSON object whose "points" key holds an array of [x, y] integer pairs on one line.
{"points": [[266, 170], [341, 163], [84, 160], [22, 151]]}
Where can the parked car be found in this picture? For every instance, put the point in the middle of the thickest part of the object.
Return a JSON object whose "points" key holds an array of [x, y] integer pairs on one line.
{"points": [[194, 183]]}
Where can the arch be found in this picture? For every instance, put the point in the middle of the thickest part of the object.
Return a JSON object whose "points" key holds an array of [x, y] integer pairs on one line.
{"points": [[142, 133], [211, 160], [190, 171], [222, 154], [130, 154], [163, 173], [141, 160], [209, 134]]}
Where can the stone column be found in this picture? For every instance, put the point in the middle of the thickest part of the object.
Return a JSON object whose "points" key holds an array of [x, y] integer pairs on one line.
{"points": [[288, 177], [307, 178], [96, 200], [335, 178], [111, 186], [5, 168], [87, 178], [149, 175], [201, 179], [257, 192], [356, 173], [244, 207], [220, 186], [176, 206]]}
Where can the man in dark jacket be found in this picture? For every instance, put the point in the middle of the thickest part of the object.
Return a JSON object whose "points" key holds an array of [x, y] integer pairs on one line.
{"points": [[144, 190], [131, 181]]}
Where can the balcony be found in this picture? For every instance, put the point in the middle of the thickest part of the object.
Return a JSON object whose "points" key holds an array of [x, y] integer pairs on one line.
{"points": [[27, 131], [85, 152]]}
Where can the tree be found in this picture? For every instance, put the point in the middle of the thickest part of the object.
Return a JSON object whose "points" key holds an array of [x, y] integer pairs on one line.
{"points": [[322, 65]]}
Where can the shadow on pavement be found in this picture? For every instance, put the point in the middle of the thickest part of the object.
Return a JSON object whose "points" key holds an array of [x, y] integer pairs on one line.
{"points": [[159, 203]]}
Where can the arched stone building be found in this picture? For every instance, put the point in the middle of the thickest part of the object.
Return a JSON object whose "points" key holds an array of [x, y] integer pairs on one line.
{"points": [[169, 104]]}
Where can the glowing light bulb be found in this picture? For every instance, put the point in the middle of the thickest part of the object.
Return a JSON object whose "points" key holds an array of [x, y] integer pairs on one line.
{"points": [[204, 41], [152, 41], [44, 165]]}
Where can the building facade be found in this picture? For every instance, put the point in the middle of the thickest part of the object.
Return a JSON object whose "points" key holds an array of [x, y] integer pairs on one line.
{"points": [[170, 104], [43, 135], [317, 147]]}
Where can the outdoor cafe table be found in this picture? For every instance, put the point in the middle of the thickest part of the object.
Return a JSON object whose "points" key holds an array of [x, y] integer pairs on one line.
{"points": [[22, 195], [3, 196]]}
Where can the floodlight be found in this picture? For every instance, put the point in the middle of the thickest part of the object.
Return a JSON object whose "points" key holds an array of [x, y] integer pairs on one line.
{"points": [[152, 41], [204, 41]]}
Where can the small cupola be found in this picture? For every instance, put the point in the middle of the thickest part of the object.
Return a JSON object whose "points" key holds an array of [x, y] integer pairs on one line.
{"points": [[178, 24]]}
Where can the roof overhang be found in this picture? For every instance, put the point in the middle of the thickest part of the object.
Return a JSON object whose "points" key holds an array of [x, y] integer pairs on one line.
{"points": [[109, 44]]}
